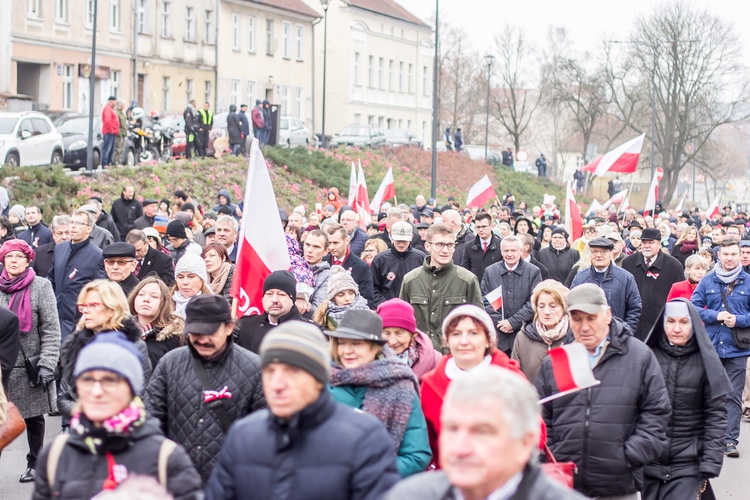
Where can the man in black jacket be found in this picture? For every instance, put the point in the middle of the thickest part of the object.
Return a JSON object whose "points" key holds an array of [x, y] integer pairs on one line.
{"points": [[234, 130], [125, 210], [484, 250], [389, 267], [528, 242], [119, 264], [37, 234], [150, 208], [341, 255], [198, 390], [149, 261], [45, 254], [558, 258], [613, 429], [103, 219]]}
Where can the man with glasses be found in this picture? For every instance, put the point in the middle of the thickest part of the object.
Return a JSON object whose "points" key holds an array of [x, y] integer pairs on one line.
{"points": [[619, 286], [60, 228], [438, 286], [119, 263], [75, 263], [484, 250], [357, 237]]}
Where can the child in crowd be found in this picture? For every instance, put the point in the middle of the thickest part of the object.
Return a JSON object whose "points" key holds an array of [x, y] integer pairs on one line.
{"points": [[343, 295]]}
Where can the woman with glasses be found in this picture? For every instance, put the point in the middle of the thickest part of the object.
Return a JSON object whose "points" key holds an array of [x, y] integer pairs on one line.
{"points": [[103, 307], [31, 298], [372, 248], [111, 435], [153, 308]]}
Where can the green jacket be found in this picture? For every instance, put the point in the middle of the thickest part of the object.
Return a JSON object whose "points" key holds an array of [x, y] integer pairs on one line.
{"points": [[414, 454], [435, 292], [123, 122]]}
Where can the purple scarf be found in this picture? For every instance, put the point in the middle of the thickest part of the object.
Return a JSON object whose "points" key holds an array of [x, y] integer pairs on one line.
{"points": [[20, 296]]}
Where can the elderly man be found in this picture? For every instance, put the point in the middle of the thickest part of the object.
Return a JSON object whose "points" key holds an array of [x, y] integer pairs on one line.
{"points": [[517, 279], [613, 429], [393, 215], [389, 267], [487, 414], [341, 255], [305, 445], [438, 286], [558, 257], [723, 302], [119, 264], [655, 272], [150, 262], [103, 219], [619, 286], [198, 390], [484, 250], [226, 234], [60, 228], [100, 236], [150, 208], [357, 237]]}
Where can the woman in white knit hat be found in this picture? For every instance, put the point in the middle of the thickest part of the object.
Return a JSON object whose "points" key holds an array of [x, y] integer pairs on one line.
{"points": [[191, 279], [343, 295]]}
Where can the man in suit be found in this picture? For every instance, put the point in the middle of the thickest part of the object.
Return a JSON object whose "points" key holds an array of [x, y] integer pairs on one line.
{"points": [[341, 255], [37, 234], [149, 261], [45, 254], [484, 250]]}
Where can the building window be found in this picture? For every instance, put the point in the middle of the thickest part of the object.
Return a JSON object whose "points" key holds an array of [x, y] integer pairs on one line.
{"points": [[33, 9], [234, 93], [408, 124], [189, 24], [142, 16], [207, 91], [424, 81], [166, 20], [298, 103], [67, 79], [114, 15], [381, 63], [286, 34], [61, 11], [188, 90], [400, 77], [208, 23], [115, 79], [89, 22], [285, 106], [165, 92], [381, 121], [300, 42], [250, 92], [409, 87], [235, 32], [390, 74], [356, 68], [251, 34], [357, 118], [370, 71], [269, 37]]}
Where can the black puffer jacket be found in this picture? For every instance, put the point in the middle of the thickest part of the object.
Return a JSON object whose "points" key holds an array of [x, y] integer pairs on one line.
{"points": [[175, 397], [697, 385], [613, 429], [388, 270], [80, 474], [558, 262], [71, 347]]}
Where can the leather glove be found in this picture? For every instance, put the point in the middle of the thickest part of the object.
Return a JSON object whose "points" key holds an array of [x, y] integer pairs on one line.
{"points": [[45, 375]]}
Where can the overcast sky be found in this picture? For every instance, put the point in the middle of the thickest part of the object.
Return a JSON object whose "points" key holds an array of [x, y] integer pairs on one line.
{"points": [[587, 21]]}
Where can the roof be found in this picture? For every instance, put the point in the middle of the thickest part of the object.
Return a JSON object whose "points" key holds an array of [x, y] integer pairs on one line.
{"points": [[387, 8], [297, 6]]}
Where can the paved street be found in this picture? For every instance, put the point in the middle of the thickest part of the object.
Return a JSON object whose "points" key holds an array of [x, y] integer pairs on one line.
{"points": [[733, 483]]}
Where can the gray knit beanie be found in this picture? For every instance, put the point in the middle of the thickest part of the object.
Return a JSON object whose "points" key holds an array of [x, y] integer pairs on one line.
{"points": [[298, 344], [339, 281], [192, 263], [113, 352], [19, 211]]}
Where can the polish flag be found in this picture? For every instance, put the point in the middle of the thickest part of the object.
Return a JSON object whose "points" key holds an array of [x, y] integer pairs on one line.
{"points": [[682, 201], [386, 191], [571, 369], [616, 199], [495, 298], [262, 245], [573, 220], [362, 201], [594, 207], [352, 186], [623, 159], [653, 195], [480, 193], [714, 208]]}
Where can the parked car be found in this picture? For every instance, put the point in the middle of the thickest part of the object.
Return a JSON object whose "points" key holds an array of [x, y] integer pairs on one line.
{"points": [[29, 138], [75, 132], [293, 133], [359, 135], [177, 124], [401, 137]]}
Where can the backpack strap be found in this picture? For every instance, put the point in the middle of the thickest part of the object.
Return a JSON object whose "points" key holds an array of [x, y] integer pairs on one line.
{"points": [[166, 449], [55, 450]]}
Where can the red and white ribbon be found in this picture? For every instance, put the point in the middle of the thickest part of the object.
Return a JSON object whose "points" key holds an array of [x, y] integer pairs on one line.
{"points": [[209, 396]]}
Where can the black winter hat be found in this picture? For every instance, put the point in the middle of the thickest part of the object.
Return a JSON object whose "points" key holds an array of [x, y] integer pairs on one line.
{"points": [[281, 280], [177, 229], [560, 230]]}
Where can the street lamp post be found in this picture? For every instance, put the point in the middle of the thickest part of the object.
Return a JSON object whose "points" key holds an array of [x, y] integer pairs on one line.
{"points": [[92, 84], [489, 58], [325, 4], [433, 184]]}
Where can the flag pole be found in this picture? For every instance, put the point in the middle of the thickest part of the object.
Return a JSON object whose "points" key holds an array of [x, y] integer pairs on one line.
{"points": [[565, 393], [630, 192]]}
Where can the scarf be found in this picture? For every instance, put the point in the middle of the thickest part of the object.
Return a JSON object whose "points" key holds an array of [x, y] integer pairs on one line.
{"points": [[453, 372], [727, 277], [218, 281], [689, 246], [181, 303], [336, 312], [410, 355], [96, 438], [391, 389], [20, 296], [550, 336]]}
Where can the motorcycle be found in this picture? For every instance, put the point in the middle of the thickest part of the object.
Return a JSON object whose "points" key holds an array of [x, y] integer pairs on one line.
{"points": [[140, 145], [163, 139]]}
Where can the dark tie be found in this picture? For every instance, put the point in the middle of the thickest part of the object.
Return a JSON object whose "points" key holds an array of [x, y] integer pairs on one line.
{"points": [[138, 267], [648, 263], [485, 244]]}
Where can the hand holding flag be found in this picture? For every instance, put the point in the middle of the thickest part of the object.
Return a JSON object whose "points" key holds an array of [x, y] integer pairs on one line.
{"points": [[572, 370]]}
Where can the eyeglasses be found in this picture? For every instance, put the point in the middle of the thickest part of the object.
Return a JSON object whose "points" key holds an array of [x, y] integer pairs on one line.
{"points": [[78, 223], [108, 383], [119, 262], [440, 245], [82, 308]]}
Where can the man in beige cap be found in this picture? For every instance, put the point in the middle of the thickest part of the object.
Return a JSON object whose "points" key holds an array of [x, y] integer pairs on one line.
{"points": [[389, 267]]}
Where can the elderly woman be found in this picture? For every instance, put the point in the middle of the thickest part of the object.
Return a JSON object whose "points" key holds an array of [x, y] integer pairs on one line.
{"points": [[103, 307], [31, 298], [220, 270], [191, 279], [111, 435], [367, 376], [698, 386], [667, 240], [410, 345], [470, 335], [372, 248], [686, 245], [549, 329], [154, 240], [152, 306], [695, 270]]}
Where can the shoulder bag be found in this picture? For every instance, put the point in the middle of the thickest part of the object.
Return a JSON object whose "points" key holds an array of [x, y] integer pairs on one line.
{"points": [[13, 426], [740, 336], [561, 472]]}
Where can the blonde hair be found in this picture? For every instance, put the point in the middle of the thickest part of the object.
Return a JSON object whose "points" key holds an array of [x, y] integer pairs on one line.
{"points": [[556, 289], [112, 297], [379, 245], [335, 350], [584, 261], [685, 233]]}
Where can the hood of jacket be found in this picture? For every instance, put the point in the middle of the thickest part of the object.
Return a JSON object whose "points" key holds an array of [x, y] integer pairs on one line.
{"points": [[335, 191], [232, 108], [532, 227], [224, 192], [715, 373]]}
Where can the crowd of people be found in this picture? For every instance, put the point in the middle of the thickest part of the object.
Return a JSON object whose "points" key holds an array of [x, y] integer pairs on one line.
{"points": [[401, 359]]}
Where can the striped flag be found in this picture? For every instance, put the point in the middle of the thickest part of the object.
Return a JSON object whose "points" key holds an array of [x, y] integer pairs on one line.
{"points": [[495, 298], [623, 159], [571, 369]]}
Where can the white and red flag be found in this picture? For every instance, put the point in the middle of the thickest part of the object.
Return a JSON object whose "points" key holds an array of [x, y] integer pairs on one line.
{"points": [[622, 159], [362, 200], [713, 210], [352, 186], [262, 245], [386, 191], [480, 193], [653, 195], [616, 199], [495, 298], [573, 219], [571, 369]]}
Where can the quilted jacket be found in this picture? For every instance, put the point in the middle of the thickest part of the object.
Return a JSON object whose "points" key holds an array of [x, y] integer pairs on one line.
{"points": [[175, 397]]}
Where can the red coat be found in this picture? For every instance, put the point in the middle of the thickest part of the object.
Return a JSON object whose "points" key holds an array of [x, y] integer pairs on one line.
{"points": [[681, 290], [435, 385], [110, 122]]}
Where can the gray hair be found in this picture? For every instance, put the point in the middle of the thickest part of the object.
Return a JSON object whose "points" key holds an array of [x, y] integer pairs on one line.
{"points": [[386, 206], [59, 220], [95, 202], [89, 216], [511, 238], [395, 214], [228, 220], [516, 395]]}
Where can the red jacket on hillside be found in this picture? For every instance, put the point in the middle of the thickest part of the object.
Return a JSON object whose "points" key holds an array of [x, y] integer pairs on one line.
{"points": [[110, 122]]}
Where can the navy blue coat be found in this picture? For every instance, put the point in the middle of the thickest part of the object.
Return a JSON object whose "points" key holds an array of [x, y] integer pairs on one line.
{"points": [[621, 291], [36, 236], [73, 267], [327, 451]]}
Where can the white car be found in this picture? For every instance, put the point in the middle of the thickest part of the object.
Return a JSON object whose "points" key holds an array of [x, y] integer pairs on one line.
{"points": [[293, 133], [29, 138]]}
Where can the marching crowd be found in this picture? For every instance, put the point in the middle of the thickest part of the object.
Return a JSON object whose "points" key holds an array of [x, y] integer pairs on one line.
{"points": [[401, 359]]}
